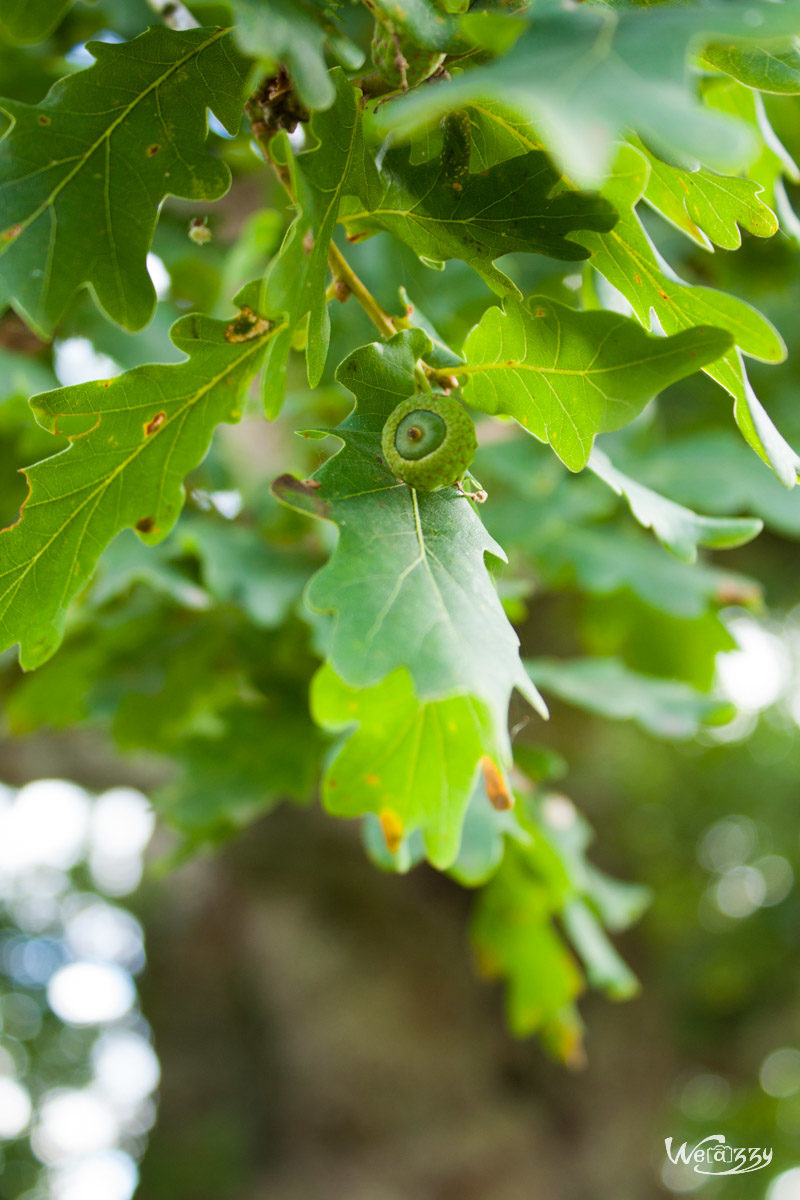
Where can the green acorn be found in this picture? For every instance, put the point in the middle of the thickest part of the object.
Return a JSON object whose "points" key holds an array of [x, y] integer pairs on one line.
{"points": [[429, 442]]}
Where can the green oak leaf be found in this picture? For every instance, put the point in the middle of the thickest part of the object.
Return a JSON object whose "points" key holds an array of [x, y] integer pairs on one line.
{"points": [[262, 753], [584, 78], [133, 439], [295, 32], [519, 205], [410, 761], [30, 20], [604, 562], [567, 375], [667, 708], [545, 876], [408, 583], [480, 850], [710, 208], [763, 67], [676, 527], [83, 173], [715, 470], [627, 259], [515, 940], [295, 283], [773, 161]]}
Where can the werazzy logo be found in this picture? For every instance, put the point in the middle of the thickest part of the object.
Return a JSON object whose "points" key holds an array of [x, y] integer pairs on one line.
{"points": [[713, 1156]]}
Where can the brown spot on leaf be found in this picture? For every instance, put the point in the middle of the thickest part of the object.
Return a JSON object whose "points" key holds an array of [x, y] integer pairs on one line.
{"points": [[156, 423], [146, 524], [246, 326], [495, 785], [302, 494], [392, 828], [43, 120], [12, 232], [152, 150]]}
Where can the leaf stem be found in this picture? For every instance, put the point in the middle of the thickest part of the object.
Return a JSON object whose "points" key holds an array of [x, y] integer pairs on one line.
{"points": [[383, 321], [341, 268]]}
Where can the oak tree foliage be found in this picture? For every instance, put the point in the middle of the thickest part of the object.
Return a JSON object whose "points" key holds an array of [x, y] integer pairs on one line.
{"points": [[560, 215]]}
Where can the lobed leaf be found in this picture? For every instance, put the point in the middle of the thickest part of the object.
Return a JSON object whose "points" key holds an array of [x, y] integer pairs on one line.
{"points": [[676, 527], [567, 375], [584, 78], [82, 175], [710, 208], [629, 262], [408, 583], [518, 205], [294, 286], [133, 439], [410, 761]]}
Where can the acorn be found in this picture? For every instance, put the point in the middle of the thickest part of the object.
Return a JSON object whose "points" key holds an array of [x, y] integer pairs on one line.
{"points": [[429, 442]]}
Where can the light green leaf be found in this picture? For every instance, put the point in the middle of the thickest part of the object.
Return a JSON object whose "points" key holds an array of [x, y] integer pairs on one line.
{"points": [[628, 260], [294, 286], [410, 761], [133, 440], [515, 940], [295, 32], [767, 68], [604, 967], [715, 469], [585, 77], [676, 527], [568, 375], [708, 207], [604, 561], [408, 583], [519, 205], [30, 20], [605, 686], [82, 175]]}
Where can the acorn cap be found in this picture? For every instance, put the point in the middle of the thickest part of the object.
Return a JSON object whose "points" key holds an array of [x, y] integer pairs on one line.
{"points": [[429, 441]]}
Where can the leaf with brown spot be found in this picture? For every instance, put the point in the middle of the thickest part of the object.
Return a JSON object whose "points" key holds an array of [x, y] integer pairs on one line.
{"points": [[81, 498]]}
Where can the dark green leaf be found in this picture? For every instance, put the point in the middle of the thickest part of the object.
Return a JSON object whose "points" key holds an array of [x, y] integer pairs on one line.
{"points": [[83, 173], [133, 440], [295, 283], [408, 582], [519, 205], [30, 20]]}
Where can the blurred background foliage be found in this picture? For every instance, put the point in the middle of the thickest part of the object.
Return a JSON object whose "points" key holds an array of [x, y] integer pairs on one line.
{"points": [[318, 1021]]}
